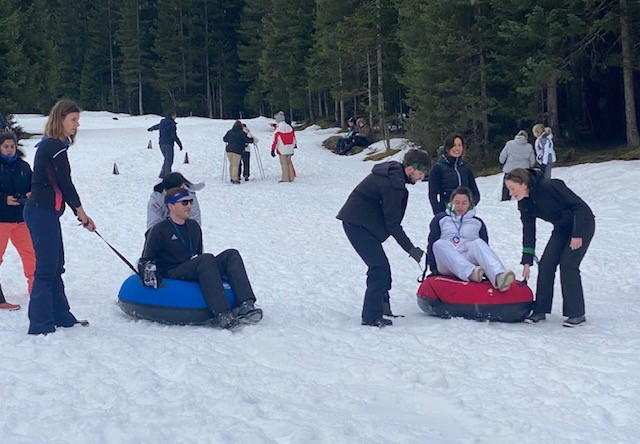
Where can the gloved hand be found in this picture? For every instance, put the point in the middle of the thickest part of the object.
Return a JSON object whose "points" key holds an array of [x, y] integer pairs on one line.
{"points": [[416, 253], [180, 148], [149, 129], [273, 153]]}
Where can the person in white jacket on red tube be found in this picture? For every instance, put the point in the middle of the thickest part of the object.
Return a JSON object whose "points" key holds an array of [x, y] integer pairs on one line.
{"points": [[284, 142], [459, 245]]}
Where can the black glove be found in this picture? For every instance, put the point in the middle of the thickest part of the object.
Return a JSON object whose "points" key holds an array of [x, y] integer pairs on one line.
{"points": [[180, 148], [273, 153], [149, 129], [149, 273], [416, 253]]}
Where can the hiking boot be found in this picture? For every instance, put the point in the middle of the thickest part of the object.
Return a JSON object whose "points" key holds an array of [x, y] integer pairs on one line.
{"points": [[535, 317], [228, 321], [378, 322], [477, 274], [9, 307], [246, 179], [504, 280], [575, 321], [248, 313]]}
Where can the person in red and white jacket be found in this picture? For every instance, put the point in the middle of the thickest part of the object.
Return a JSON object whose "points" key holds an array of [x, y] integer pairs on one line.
{"points": [[284, 142]]}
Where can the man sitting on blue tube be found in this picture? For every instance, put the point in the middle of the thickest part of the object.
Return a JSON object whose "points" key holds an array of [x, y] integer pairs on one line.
{"points": [[175, 246]]}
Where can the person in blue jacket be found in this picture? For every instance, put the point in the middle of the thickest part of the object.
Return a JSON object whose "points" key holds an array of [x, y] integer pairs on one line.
{"points": [[374, 211], [168, 136], [51, 188], [573, 228], [449, 173]]}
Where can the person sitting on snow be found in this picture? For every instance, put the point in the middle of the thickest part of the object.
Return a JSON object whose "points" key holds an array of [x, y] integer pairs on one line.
{"points": [[343, 143], [459, 244], [175, 247], [363, 138]]}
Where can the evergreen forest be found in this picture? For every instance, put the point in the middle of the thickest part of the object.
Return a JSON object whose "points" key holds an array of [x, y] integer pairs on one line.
{"points": [[485, 68]]}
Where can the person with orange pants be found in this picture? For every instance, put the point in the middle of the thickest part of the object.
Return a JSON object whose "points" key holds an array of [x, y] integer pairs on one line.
{"points": [[15, 188]]}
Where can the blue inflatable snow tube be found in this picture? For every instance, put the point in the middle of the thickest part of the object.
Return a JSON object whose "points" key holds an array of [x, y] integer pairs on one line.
{"points": [[175, 302]]}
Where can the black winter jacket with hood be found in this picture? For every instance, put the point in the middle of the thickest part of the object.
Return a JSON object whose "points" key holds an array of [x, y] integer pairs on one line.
{"points": [[168, 131], [236, 139], [15, 179], [551, 200], [379, 202], [447, 174]]}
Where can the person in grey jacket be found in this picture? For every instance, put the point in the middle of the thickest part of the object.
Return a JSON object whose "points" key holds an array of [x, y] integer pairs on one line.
{"points": [[157, 211], [373, 212], [517, 153]]}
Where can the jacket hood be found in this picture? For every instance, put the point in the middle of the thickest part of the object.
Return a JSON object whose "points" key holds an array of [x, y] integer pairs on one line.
{"points": [[521, 140], [393, 170], [45, 138], [536, 176], [450, 161]]}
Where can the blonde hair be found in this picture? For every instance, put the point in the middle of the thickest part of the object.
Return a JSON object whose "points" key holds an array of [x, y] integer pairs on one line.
{"points": [[60, 110], [538, 129]]}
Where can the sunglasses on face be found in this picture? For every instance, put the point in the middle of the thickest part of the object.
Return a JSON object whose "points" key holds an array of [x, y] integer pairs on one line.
{"points": [[185, 202]]}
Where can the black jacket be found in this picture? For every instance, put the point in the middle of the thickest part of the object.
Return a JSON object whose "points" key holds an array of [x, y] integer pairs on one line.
{"points": [[378, 203], [236, 140], [51, 184], [168, 132], [551, 200], [447, 174], [15, 179], [169, 244]]}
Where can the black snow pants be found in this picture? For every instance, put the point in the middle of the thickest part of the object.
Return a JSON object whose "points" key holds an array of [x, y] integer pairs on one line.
{"points": [[557, 252], [208, 270]]}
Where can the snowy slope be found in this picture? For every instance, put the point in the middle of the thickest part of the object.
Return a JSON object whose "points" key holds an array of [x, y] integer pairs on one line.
{"points": [[309, 372]]}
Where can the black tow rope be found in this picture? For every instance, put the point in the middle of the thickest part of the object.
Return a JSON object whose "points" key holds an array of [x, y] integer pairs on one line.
{"points": [[124, 259]]}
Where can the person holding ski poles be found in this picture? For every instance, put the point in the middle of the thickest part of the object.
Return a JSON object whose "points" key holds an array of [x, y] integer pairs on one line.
{"points": [[51, 188]]}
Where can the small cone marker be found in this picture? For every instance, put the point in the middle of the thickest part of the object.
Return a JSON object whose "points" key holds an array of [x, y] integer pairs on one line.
{"points": [[115, 169], [186, 158], [149, 147]]}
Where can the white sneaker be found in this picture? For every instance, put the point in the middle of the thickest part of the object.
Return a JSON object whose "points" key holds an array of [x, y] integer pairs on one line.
{"points": [[477, 274], [504, 280]]}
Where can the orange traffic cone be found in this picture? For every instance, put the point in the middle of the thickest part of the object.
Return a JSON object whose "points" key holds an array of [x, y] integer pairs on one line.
{"points": [[186, 158]]}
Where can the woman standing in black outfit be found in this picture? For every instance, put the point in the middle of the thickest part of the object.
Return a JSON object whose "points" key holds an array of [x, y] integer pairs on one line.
{"points": [[573, 228], [51, 187]]}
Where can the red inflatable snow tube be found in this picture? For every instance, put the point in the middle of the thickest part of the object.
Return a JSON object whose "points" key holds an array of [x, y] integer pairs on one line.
{"points": [[447, 297]]}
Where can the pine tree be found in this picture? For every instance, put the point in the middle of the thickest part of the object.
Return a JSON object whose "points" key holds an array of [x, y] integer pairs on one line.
{"points": [[13, 75]]}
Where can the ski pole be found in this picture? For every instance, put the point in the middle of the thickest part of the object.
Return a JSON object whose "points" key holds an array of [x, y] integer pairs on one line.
{"points": [[124, 259]]}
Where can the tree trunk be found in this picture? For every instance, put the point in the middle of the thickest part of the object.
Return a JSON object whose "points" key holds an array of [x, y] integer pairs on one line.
{"points": [[206, 59], [369, 90], [342, 120], [140, 107], [552, 106], [633, 139], [310, 103], [319, 104], [381, 114], [112, 72]]}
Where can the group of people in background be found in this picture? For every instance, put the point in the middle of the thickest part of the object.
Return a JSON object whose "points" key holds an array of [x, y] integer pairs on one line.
{"points": [[359, 133], [31, 204]]}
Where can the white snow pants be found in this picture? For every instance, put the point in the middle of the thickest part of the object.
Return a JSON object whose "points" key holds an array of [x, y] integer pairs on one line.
{"points": [[460, 260]]}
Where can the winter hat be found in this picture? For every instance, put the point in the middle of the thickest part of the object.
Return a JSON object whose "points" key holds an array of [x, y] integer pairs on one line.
{"points": [[279, 116], [523, 133]]}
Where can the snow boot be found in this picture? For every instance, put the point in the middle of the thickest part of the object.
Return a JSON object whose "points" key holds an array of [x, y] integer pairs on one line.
{"points": [[4, 305], [534, 318], [476, 275], [504, 280], [248, 313], [228, 321], [378, 322], [576, 321]]}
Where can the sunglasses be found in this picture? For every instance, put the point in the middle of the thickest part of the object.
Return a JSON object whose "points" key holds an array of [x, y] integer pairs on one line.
{"points": [[185, 202]]}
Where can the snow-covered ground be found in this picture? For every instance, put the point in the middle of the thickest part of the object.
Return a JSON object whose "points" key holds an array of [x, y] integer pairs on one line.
{"points": [[310, 372]]}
